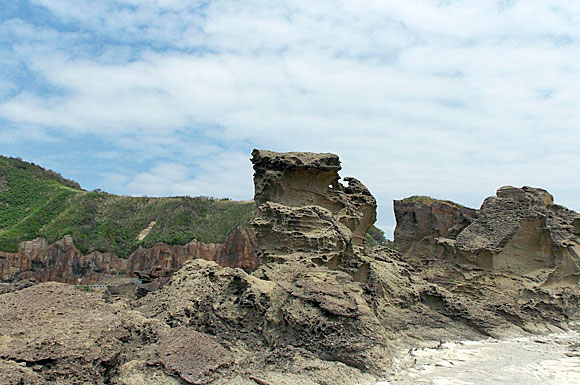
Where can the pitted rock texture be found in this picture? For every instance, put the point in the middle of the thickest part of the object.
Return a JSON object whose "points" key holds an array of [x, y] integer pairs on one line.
{"points": [[417, 219], [514, 267], [522, 231], [192, 356], [304, 210], [321, 311], [63, 262]]}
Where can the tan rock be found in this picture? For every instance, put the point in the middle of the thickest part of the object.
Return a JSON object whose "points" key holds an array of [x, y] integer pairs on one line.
{"points": [[304, 210]]}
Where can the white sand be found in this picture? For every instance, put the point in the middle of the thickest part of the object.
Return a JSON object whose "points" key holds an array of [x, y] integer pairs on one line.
{"points": [[552, 359]]}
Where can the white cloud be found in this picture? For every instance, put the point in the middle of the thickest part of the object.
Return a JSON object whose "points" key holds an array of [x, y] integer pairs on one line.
{"points": [[450, 99]]}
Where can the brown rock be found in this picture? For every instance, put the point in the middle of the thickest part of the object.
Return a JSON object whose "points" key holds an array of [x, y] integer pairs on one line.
{"points": [[303, 209], [522, 231], [63, 262], [421, 217], [61, 333], [279, 306], [194, 357], [13, 373]]}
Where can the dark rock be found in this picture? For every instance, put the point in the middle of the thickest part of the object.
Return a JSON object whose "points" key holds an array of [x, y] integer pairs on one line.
{"points": [[420, 218]]}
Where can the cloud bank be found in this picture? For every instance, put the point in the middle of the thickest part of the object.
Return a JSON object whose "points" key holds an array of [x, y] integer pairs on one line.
{"points": [[445, 98]]}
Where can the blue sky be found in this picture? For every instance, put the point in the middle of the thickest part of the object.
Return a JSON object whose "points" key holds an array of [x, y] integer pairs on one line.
{"points": [[451, 99]]}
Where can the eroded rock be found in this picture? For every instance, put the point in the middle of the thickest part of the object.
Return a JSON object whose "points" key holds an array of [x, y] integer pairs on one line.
{"points": [[63, 262], [60, 333], [192, 356], [304, 211], [522, 231], [319, 310], [420, 217]]}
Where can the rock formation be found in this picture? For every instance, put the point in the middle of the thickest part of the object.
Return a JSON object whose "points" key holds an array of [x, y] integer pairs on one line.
{"points": [[520, 231], [305, 213], [419, 217], [63, 262], [320, 308], [515, 264], [304, 296]]}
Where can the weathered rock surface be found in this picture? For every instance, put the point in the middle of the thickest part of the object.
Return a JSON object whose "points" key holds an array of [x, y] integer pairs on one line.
{"points": [[192, 356], [305, 213], [514, 266], [63, 262], [522, 231], [60, 333], [321, 311], [420, 217]]}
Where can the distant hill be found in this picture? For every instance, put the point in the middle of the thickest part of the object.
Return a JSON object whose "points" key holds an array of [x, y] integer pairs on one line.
{"points": [[35, 202]]}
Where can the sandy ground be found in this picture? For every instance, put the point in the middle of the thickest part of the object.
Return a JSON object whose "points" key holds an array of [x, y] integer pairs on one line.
{"points": [[551, 359]]}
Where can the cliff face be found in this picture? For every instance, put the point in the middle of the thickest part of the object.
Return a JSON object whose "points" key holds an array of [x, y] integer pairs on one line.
{"points": [[63, 262], [519, 231], [419, 218]]}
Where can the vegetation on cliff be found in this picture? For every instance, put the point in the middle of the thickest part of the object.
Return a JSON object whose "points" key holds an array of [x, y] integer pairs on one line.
{"points": [[428, 200], [40, 203], [35, 202]]}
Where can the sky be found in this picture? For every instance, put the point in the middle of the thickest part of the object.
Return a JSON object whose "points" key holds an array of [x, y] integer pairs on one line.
{"points": [[450, 99]]}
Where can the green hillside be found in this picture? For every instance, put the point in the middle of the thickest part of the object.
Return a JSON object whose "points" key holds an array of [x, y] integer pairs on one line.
{"points": [[35, 202]]}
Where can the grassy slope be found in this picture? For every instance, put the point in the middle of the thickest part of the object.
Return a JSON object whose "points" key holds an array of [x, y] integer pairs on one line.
{"points": [[35, 202], [40, 203]]}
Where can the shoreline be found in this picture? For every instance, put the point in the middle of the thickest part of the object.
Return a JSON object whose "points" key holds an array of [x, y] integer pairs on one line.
{"points": [[523, 359]]}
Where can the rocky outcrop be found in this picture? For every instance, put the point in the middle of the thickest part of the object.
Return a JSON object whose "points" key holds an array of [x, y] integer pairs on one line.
{"points": [[320, 311], [307, 301], [420, 217], [305, 212], [516, 265], [519, 231], [522, 231], [63, 262]]}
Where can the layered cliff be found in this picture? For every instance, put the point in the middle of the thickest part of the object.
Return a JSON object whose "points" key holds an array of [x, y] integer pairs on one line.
{"points": [[63, 262]]}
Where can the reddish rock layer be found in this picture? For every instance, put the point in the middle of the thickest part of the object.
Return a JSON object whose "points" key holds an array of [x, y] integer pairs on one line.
{"points": [[417, 219], [63, 262]]}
